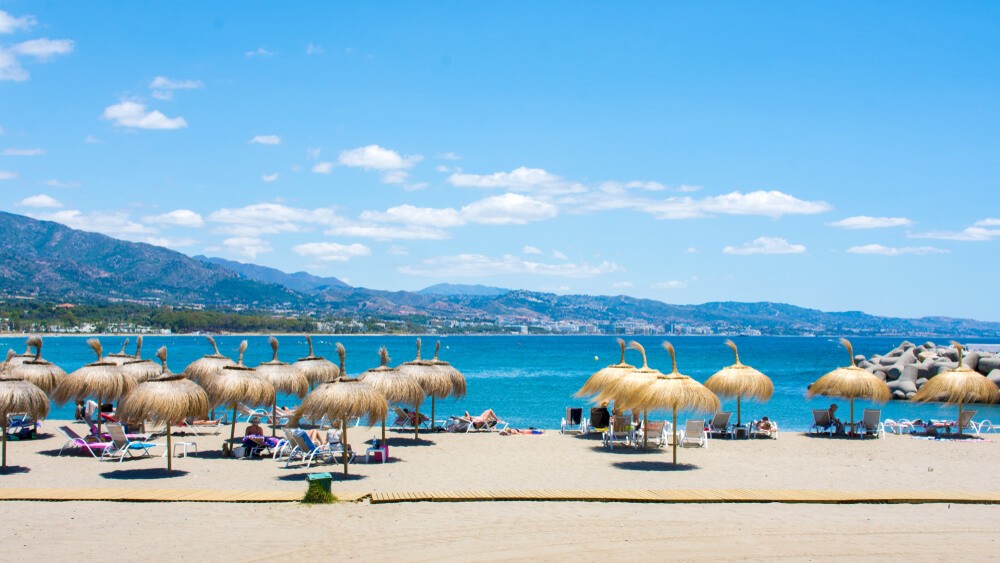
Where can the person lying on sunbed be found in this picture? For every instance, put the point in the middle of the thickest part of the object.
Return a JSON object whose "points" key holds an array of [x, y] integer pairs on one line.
{"points": [[512, 431], [413, 419], [485, 420], [765, 425], [318, 437]]}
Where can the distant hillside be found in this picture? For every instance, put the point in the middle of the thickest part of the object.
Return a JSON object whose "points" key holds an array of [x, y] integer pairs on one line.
{"points": [[49, 259], [462, 289], [299, 281]]}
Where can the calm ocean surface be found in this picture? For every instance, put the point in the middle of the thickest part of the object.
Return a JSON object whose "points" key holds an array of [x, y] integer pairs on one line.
{"points": [[530, 380]]}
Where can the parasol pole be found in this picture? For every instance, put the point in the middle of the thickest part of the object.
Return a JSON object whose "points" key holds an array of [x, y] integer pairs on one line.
{"points": [[383, 430], [4, 427], [274, 415], [432, 413], [739, 415], [675, 433], [343, 439], [645, 430], [99, 417], [852, 416], [170, 457], [959, 421], [232, 432], [416, 421]]}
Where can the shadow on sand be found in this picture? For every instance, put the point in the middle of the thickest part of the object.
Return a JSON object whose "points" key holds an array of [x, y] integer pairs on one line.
{"points": [[337, 475], [14, 469], [654, 466], [400, 442], [145, 473]]}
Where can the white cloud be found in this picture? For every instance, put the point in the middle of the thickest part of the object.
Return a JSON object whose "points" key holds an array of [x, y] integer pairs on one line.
{"points": [[266, 140], [10, 68], [23, 152], [258, 52], [331, 251], [10, 24], [692, 250], [92, 140], [880, 250], [115, 224], [622, 285], [168, 242], [43, 49], [768, 203], [63, 185], [412, 215], [269, 177], [772, 204], [163, 87], [614, 187], [520, 180], [323, 168], [396, 250], [506, 209], [866, 222], [449, 156], [671, 284], [247, 246], [373, 157], [478, 265], [385, 232], [766, 245], [531, 250], [41, 200], [7, 175], [987, 223], [684, 188], [312, 49], [270, 218], [178, 217], [134, 114], [559, 255], [312, 154], [977, 232]]}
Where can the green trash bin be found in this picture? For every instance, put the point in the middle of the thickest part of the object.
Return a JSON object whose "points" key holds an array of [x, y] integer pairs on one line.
{"points": [[321, 480]]}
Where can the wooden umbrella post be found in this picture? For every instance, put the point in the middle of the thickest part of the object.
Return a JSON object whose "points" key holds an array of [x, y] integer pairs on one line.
{"points": [[852, 416], [739, 413], [4, 427], [274, 415], [383, 430], [232, 431], [645, 431], [959, 421], [416, 421], [170, 457], [343, 440], [675, 434], [432, 413], [99, 417]]}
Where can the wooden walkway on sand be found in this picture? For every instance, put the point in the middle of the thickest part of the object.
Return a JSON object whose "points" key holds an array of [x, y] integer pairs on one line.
{"points": [[680, 496]]}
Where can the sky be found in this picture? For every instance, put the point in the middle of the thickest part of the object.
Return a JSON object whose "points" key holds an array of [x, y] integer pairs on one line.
{"points": [[838, 156]]}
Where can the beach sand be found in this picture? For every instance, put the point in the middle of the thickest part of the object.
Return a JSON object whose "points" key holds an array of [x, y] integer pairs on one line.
{"points": [[516, 530]]}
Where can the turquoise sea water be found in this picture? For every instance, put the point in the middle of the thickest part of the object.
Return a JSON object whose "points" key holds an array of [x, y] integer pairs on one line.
{"points": [[530, 380]]}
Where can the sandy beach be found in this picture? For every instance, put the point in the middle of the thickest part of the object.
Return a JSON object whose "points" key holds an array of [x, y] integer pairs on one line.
{"points": [[512, 530]]}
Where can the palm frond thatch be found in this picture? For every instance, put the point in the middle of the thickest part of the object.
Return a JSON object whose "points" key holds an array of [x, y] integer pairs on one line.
{"points": [[603, 378], [102, 379], [19, 396], [205, 368], [239, 383], [140, 369], [434, 382], [958, 386], [394, 384], [285, 377], [121, 357], [317, 369], [166, 398], [15, 359], [627, 386], [739, 380], [850, 382], [454, 376], [344, 399], [37, 370]]}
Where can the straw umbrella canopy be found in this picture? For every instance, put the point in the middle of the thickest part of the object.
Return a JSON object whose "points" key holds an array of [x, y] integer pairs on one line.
{"points": [[6, 363], [958, 386], [317, 369], [140, 369], [850, 383], [19, 396], [603, 378], [629, 383], [202, 370], [42, 373], [165, 398], [454, 376], [122, 356], [343, 399], [431, 380], [239, 383], [396, 386], [15, 359], [674, 391], [285, 378], [102, 379], [740, 381]]}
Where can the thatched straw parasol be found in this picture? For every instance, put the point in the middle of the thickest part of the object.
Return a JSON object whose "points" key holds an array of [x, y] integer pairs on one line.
{"points": [[455, 376], [430, 379], [958, 386], [674, 391], [15, 359], [202, 370], [317, 369], [102, 379], [19, 396], [140, 369], [42, 373], [604, 377], [6, 363], [740, 381], [239, 383], [627, 383], [344, 399], [121, 357], [851, 383], [165, 398], [285, 378], [397, 387]]}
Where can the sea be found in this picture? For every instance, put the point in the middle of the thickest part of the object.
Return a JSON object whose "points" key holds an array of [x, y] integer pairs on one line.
{"points": [[530, 380]]}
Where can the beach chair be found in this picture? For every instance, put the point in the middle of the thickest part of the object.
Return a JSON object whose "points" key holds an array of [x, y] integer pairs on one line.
{"points": [[656, 430], [965, 422], [122, 447], [720, 424], [599, 420], [407, 420], [821, 422], [573, 421], [79, 443], [694, 435], [305, 450], [21, 426], [871, 424], [246, 413], [205, 428], [618, 431], [757, 432], [898, 426]]}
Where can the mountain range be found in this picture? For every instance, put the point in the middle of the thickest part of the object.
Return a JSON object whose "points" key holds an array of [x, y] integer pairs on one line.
{"points": [[50, 261]]}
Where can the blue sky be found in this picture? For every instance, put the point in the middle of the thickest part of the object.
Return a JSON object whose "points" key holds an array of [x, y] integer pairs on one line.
{"points": [[839, 156]]}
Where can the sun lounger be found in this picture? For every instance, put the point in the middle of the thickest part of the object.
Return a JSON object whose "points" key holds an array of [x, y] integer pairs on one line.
{"points": [[871, 424], [122, 447], [573, 421], [821, 422], [406, 420], [694, 435], [305, 450], [599, 420], [246, 413], [964, 423], [79, 443], [656, 430], [21, 425], [898, 426], [201, 428], [618, 431], [720, 425], [756, 431]]}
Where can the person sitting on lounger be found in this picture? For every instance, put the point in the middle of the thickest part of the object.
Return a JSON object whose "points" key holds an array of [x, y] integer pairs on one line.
{"points": [[485, 420], [413, 419], [765, 425], [254, 436], [834, 421]]}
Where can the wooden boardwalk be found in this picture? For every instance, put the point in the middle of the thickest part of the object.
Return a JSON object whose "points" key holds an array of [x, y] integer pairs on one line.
{"points": [[682, 496]]}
